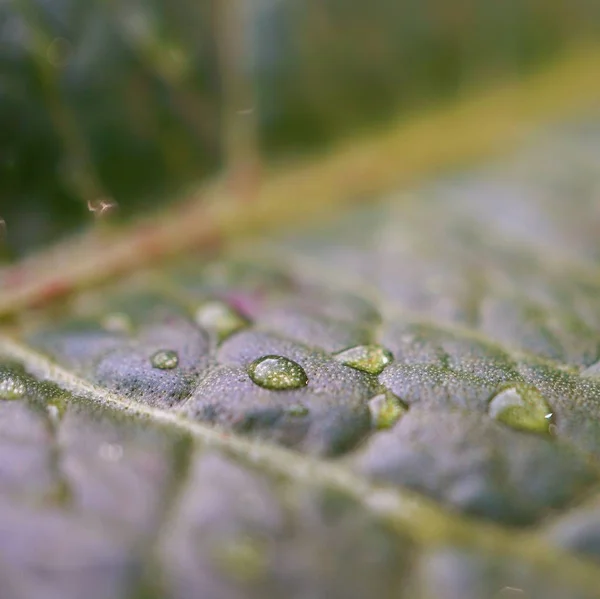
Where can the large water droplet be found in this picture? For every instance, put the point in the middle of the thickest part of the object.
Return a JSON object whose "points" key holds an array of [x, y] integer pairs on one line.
{"points": [[386, 410], [165, 359], [522, 408], [220, 319], [11, 387], [277, 373], [368, 358]]}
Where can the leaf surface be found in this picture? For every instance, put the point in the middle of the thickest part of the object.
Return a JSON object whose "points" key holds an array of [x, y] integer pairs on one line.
{"points": [[373, 373], [142, 458]]}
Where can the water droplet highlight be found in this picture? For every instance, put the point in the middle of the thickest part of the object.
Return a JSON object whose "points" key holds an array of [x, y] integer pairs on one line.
{"points": [[220, 319], [522, 408], [12, 387], [165, 359], [368, 358], [277, 373], [386, 410]]}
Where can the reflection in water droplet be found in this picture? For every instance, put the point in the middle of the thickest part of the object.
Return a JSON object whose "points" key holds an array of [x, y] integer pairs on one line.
{"points": [[219, 318], [277, 373], [522, 408], [12, 387], [297, 410], [165, 359], [386, 410], [368, 358]]}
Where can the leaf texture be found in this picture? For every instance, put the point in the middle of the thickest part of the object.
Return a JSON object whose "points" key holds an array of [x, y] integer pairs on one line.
{"points": [[453, 453]]}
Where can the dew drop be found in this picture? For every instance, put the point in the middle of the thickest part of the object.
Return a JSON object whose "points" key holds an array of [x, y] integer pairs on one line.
{"points": [[277, 373], [522, 408], [219, 318], [386, 410], [165, 359], [368, 358], [12, 387]]}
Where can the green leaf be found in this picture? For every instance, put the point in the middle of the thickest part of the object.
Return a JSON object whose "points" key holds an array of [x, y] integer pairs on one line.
{"points": [[393, 399], [142, 456]]}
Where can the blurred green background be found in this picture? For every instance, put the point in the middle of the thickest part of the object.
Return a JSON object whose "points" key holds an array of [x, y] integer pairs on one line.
{"points": [[137, 99]]}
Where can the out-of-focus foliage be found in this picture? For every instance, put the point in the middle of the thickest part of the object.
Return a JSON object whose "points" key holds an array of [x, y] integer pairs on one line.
{"points": [[125, 98]]}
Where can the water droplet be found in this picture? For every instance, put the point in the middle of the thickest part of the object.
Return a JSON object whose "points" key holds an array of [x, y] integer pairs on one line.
{"points": [[277, 373], [12, 387], [368, 358], [297, 410], [165, 359], [219, 318], [386, 410], [522, 408]]}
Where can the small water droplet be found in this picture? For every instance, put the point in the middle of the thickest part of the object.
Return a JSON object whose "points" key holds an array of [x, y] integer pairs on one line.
{"points": [[165, 359], [219, 318], [522, 408], [368, 358], [12, 387], [297, 410], [386, 410], [277, 373]]}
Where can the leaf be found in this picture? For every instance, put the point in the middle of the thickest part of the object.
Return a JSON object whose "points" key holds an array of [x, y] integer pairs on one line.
{"points": [[141, 459], [399, 399]]}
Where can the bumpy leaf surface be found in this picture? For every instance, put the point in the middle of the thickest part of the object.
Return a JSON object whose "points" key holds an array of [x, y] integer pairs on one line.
{"points": [[426, 424]]}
